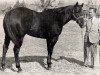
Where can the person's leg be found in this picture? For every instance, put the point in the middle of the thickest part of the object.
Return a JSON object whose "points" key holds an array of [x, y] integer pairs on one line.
{"points": [[94, 55], [98, 57], [86, 53]]}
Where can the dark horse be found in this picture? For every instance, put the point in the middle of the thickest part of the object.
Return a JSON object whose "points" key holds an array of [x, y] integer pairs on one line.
{"points": [[47, 25]]}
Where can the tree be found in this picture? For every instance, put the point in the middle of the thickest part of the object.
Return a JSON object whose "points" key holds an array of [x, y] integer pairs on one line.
{"points": [[23, 4], [46, 3], [18, 4]]}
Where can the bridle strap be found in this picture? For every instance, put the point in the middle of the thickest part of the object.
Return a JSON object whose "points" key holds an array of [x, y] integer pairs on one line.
{"points": [[77, 18]]}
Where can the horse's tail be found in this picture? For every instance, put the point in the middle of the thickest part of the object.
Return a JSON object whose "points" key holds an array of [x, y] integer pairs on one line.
{"points": [[10, 32]]}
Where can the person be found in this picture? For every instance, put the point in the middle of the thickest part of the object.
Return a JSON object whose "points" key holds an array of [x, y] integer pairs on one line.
{"points": [[91, 38]]}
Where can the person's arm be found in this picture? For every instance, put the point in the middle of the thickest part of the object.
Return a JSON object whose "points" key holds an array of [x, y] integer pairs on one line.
{"points": [[85, 22], [99, 28], [99, 32]]}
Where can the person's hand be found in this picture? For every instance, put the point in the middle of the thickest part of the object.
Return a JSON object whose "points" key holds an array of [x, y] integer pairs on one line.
{"points": [[99, 32], [85, 21]]}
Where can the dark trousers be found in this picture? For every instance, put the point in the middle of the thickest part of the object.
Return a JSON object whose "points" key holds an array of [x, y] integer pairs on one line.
{"points": [[89, 48]]}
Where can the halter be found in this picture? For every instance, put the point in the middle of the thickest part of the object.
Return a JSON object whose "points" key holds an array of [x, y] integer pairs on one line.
{"points": [[77, 18]]}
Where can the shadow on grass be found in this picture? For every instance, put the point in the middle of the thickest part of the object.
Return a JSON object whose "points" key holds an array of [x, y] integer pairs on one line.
{"points": [[39, 59], [25, 59], [71, 60]]}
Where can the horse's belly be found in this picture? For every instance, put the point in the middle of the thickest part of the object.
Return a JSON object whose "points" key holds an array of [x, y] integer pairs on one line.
{"points": [[38, 34]]}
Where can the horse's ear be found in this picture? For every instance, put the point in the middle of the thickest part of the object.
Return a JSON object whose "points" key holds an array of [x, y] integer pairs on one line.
{"points": [[76, 4], [82, 4]]}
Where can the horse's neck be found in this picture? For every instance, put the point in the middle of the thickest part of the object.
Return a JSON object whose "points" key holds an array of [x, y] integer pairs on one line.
{"points": [[63, 14], [66, 16]]}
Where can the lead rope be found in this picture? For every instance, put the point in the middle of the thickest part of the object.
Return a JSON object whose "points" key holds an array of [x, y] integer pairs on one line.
{"points": [[83, 32], [82, 38]]}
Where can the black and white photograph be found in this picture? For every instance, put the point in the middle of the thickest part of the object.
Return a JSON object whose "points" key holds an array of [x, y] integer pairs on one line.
{"points": [[49, 37]]}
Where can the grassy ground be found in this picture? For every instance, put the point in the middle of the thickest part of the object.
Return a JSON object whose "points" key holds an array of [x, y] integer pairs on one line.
{"points": [[67, 57]]}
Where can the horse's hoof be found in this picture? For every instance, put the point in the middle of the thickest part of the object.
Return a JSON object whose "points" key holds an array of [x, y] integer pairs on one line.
{"points": [[19, 70], [2, 68], [86, 65], [49, 67], [91, 66]]}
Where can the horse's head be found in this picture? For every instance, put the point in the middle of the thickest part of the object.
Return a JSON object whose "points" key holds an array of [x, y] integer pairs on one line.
{"points": [[78, 14]]}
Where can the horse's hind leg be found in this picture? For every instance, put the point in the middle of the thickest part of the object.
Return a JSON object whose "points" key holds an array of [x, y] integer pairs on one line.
{"points": [[50, 45], [16, 50], [5, 48]]}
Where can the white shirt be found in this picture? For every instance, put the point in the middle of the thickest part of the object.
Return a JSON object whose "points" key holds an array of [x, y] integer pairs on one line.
{"points": [[93, 28], [95, 24]]}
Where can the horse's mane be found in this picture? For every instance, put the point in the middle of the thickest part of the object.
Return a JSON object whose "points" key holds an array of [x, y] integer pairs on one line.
{"points": [[59, 9]]}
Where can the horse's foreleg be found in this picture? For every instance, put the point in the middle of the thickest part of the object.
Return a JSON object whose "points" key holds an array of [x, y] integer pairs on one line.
{"points": [[16, 54], [50, 45], [5, 48]]}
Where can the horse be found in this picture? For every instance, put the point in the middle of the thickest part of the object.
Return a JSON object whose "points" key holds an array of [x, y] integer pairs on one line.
{"points": [[47, 24]]}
